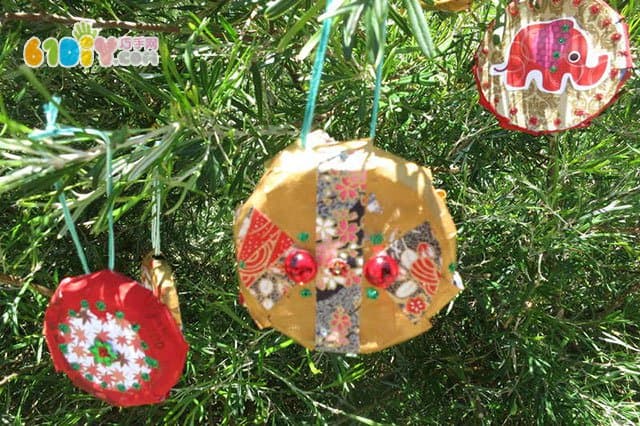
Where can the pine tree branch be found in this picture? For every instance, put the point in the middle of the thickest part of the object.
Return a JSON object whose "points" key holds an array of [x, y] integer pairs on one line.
{"points": [[96, 23]]}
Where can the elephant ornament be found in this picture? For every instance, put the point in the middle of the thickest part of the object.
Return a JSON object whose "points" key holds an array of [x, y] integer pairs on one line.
{"points": [[552, 65], [550, 54]]}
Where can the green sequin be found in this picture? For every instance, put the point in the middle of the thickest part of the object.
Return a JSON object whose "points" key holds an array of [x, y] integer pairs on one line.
{"points": [[303, 236], [562, 40], [103, 385], [565, 28], [376, 239], [136, 385], [121, 387], [144, 346], [63, 327], [135, 327], [119, 314], [452, 267], [84, 304], [553, 68], [242, 264], [305, 292], [64, 348], [145, 377], [101, 305], [75, 366], [556, 55], [103, 353], [372, 293], [72, 313], [151, 362], [89, 377]]}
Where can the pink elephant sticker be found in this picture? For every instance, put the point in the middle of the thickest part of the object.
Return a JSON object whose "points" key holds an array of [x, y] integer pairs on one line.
{"points": [[553, 66], [550, 54]]}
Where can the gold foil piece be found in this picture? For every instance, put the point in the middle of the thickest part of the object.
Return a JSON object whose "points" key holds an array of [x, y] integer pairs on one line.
{"points": [[157, 276], [450, 5]]}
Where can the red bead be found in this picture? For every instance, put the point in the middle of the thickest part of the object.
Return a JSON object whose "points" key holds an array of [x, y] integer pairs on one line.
{"points": [[381, 270], [300, 266]]}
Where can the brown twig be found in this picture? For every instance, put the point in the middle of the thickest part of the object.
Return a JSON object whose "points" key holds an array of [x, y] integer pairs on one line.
{"points": [[17, 282], [97, 23], [466, 140], [620, 299], [8, 378], [441, 169]]}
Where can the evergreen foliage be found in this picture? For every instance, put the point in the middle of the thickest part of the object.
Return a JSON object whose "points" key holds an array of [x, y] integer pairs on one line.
{"points": [[546, 332]]}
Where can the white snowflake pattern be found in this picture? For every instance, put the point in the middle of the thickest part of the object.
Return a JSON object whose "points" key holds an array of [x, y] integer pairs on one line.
{"points": [[106, 351]]}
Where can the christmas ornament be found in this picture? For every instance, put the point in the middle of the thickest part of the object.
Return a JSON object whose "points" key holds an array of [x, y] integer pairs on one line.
{"points": [[156, 275], [112, 337], [345, 247], [552, 65], [155, 272], [451, 5]]}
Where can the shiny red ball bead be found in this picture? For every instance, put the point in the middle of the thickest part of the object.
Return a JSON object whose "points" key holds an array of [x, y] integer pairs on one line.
{"points": [[381, 270], [300, 266]]}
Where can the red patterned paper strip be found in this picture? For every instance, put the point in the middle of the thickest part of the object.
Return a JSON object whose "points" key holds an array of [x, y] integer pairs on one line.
{"points": [[262, 245]]}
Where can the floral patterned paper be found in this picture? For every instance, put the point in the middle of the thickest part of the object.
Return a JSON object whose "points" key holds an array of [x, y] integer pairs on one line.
{"points": [[272, 286], [339, 235], [418, 256]]}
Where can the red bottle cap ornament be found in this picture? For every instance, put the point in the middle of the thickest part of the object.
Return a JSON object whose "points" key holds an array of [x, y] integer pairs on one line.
{"points": [[111, 336], [114, 339], [552, 65], [381, 270], [300, 266]]}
